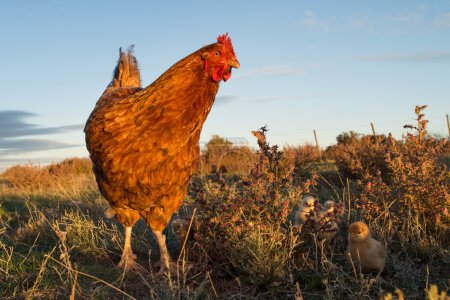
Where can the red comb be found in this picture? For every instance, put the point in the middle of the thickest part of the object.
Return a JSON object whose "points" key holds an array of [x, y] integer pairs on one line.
{"points": [[226, 41]]}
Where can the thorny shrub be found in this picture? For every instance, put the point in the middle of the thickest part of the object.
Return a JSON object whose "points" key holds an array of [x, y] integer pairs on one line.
{"points": [[361, 157], [221, 155], [243, 227], [403, 183], [319, 225], [303, 157]]}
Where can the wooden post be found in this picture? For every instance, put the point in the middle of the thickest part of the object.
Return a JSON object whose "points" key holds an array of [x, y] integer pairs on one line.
{"points": [[373, 129], [448, 125], [317, 144]]}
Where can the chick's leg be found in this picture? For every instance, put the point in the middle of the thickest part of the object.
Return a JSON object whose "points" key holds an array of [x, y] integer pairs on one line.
{"points": [[167, 266], [128, 258]]}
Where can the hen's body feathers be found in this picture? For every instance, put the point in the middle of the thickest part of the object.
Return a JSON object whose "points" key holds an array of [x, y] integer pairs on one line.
{"points": [[144, 142]]}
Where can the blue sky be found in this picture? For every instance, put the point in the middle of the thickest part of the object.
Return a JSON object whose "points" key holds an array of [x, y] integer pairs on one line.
{"points": [[325, 65]]}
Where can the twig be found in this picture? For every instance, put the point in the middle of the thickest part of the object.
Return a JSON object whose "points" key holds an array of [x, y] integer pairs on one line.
{"points": [[298, 293], [31, 248], [212, 285], [41, 271], [74, 286], [187, 235], [92, 277]]}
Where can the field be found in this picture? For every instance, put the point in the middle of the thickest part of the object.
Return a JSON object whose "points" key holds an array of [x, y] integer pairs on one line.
{"points": [[56, 243]]}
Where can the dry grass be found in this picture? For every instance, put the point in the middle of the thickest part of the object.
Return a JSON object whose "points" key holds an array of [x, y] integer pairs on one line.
{"points": [[55, 242]]}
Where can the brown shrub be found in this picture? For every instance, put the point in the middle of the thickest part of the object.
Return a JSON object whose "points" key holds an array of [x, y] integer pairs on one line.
{"points": [[402, 183], [243, 226], [302, 157], [222, 156], [72, 175]]}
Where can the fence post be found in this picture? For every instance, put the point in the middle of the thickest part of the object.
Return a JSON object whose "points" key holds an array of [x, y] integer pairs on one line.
{"points": [[373, 129], [317, 145], [448, 125]]}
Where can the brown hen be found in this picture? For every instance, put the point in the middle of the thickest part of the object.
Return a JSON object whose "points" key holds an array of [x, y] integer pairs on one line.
{"points": [[144, 142]]}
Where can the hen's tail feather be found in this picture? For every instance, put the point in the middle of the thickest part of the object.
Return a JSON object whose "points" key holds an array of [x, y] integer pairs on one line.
{"points": [[110, 213], [126, 73]]}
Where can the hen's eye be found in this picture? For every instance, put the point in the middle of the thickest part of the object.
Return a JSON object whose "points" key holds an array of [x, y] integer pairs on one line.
{"points": [[217, 53]]}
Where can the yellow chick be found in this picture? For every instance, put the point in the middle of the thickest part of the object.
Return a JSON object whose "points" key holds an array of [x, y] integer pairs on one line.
{"points": [[330, 225], [180, 228], [328, 206], [304, 210], [363, 249]]}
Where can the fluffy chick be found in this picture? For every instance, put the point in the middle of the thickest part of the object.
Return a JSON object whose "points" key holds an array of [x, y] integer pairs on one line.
{"points": [[329, 223], [364, 250], [180, 228], [328, 206], [304, 210]]}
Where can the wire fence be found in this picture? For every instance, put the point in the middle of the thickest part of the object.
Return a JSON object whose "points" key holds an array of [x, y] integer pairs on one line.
{"points": [[439, 126]]}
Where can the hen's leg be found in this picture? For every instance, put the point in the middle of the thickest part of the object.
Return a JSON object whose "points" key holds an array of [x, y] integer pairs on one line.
{"points": [[128, 218], [167, 266], [128, 258]]}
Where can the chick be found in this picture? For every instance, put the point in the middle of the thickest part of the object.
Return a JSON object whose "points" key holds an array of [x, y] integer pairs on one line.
{"points": [[364, 250], [330, 226], [328, 206], [304, 210], [180, 228]]}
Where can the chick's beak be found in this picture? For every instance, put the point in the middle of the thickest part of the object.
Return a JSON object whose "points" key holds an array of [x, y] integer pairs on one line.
{"points": [[234, 63]]}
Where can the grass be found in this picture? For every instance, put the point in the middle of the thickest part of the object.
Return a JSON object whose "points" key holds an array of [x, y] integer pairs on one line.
{"points": [[55, 242]]}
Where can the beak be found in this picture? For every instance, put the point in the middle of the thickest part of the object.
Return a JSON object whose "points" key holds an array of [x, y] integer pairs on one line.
{"points": [[234, 63]]}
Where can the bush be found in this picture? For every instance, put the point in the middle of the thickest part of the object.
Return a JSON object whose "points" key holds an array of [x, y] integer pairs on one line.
{"points": [[243, 227], [72, 177], [403, 183], [222, 156], [302, 157]]}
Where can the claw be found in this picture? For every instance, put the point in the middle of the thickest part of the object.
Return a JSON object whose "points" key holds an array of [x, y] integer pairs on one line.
{"points": [[127, 261], [164, 269], [128, 258]]}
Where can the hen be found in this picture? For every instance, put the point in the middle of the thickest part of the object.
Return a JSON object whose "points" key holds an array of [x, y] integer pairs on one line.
{"points": [[144, 142]]}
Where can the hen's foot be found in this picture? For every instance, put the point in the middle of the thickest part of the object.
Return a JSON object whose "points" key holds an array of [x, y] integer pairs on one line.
{"points": [[165, 269], [127, 261]]}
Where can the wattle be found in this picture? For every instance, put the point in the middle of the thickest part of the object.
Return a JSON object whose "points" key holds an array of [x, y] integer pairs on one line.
{"points": [[226, 75], [219, 74]]}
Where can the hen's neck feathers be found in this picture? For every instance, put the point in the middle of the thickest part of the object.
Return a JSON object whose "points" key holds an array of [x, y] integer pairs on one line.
{"points": [[188, 78]]}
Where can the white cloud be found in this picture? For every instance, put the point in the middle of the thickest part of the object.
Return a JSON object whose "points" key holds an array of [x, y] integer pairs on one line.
{"points": [[309, 19], [431, 56], [15, 133], [273, 70], [358, 24], [278, 70], [407, 18], [222, 100], [442, 20]]}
